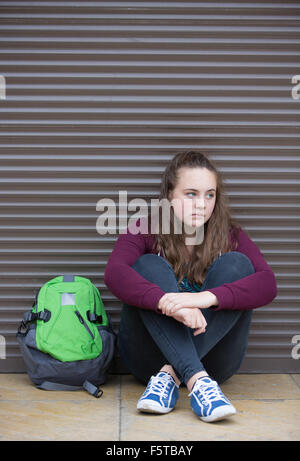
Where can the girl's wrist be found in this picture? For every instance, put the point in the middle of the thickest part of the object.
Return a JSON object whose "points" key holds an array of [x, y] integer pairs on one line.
{"points": [[214, 299], [210, 299]]}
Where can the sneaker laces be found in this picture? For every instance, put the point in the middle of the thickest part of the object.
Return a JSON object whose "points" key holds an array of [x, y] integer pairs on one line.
{"points": [[210, 392], [159, 385]]}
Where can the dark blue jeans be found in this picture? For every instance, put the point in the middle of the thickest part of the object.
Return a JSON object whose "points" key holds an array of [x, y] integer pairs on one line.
{"points": [[148, 340]]}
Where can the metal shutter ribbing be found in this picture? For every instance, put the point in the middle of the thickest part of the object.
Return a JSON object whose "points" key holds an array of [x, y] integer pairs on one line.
{"points": [[100, 95]]}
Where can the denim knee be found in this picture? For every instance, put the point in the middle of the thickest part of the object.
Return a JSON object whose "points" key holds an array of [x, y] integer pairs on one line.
{"points": [[228, 268], [150, 259], [236, 261], [241, 261], [156, 270]]}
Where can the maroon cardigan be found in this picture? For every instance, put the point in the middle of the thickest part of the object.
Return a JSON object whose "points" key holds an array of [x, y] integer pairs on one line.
{"points": [[255, 290]]}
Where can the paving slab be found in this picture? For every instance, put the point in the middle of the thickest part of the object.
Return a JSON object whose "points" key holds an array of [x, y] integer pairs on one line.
{"points": [[268, 409], [27, 413], [261, 386], [296, 378]]}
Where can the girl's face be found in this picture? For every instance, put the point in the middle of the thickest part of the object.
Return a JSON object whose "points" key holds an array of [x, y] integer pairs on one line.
{"points": [[194, 196]]}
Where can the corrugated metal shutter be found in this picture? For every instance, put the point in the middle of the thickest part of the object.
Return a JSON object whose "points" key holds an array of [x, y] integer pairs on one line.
{"points": [[100, 95]]}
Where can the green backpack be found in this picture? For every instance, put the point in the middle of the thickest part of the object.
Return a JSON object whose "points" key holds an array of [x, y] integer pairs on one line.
{"points": [[67, 340]]}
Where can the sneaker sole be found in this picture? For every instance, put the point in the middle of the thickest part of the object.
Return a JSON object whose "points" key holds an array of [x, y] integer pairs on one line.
{"points": [[219, 413], [151, 407]]}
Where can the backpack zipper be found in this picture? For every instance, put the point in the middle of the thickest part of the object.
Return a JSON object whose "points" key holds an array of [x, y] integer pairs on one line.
{"points": [[81, 320]]}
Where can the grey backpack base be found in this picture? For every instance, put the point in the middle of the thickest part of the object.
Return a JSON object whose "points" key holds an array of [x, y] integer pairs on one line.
{"points": [[48, 373]]}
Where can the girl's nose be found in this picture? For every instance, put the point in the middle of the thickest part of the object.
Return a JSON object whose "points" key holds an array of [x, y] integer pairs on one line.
{"points": [[199, 204]]}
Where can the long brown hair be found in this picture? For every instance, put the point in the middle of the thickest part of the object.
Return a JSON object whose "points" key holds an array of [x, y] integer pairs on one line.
{"points": [[216, 229]]}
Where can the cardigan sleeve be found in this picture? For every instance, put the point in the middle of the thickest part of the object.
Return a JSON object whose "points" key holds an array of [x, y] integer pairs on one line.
{"points": [[255, 290], [126, 283]]}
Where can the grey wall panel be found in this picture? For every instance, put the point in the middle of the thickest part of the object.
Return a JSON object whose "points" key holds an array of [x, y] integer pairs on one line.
{"points": [[100, 95]]}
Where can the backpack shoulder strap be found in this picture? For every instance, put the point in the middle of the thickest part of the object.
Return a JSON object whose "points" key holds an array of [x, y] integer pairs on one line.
{"points": [[87, 385]]}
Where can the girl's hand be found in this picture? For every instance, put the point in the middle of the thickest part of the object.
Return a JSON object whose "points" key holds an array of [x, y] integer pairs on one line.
{"points": [[192, 318], [172, 302]]}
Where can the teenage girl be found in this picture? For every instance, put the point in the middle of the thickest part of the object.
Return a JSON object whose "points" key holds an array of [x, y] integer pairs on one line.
{"points": [[187, 297]]}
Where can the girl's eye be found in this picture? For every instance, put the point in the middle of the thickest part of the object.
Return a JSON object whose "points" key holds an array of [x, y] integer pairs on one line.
{"points": [[210, 195]]}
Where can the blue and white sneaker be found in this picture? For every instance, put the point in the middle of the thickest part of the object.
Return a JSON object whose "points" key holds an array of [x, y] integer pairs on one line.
{"points": [[208, 401], [160, 396]]}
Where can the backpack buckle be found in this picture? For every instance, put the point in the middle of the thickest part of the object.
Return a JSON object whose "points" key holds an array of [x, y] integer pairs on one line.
{"points": [[92, 389], [94, 318], [29, 317], [44, 315]]}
